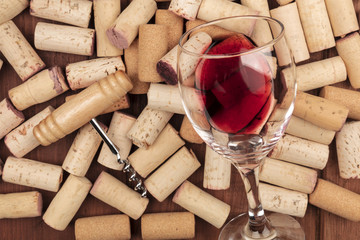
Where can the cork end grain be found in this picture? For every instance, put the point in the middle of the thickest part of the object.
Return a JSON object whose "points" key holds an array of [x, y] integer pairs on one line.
{"points": [[97, 183], [39, 200], [117, 38], [348, 150], [11, 107], [57, 76], [167, 72]]}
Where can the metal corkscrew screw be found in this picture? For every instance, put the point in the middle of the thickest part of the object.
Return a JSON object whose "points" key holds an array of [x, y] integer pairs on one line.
{"points": [[127, 166]]}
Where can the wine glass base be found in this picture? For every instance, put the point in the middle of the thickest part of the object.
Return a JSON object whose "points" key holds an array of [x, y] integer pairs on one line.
{"points": [[286, 228]]}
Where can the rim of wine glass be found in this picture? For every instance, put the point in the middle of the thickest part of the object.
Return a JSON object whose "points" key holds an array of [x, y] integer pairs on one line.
{"points": [[214, 56]]}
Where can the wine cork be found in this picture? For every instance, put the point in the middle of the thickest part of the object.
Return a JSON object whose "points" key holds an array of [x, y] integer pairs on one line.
{"points": [[105, 13], [202, 204], [75, 113], [337, 200], [348, 150], [260, 5], [261, 119], [303, 129], [83, 74], [148, 126], [198, 43], [190, 81], [9, 10], [219, 136], [105, 227], [65, 39], [288, 94], [278, 114], [294, 33], [168, 225], [281, 200], [282, 46], [126, 27], [349, 50], [262, 33], [144, 161], [153, 44], [32, 173], [174, 24], [9, 117], [316, 25], [171, 174], [21, 140], [215, 32], [82, 150], [214, 9], [342, 17], [217, 171], [40, 88], [287, 175], [131, 56], [283, 2], [195, 104], [185, 8], [320, 111], [119, 126], [167, 65], [123, 103], [67, 202], [318, 74], [188, 133], [17, 50], [165, 98], [272, 61], [301, 151], [72, 12], [115, 193], [21, 205], [348, 98]]}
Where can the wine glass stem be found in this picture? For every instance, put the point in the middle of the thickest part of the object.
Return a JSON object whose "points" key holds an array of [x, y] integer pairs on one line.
{"points": [[258, 225]]}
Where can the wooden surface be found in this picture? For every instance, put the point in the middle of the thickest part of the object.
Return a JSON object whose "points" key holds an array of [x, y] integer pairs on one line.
{"points": [[317, 224]]}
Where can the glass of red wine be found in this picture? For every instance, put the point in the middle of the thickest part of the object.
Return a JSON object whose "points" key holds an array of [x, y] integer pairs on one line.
{"points": [[230, 79]]}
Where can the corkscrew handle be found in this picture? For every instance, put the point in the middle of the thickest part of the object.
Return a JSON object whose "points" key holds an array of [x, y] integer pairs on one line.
{"points": [[127, 166], [73, 114]]}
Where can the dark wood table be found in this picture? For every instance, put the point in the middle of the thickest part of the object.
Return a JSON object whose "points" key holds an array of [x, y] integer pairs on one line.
{"points": [[317, 224]]}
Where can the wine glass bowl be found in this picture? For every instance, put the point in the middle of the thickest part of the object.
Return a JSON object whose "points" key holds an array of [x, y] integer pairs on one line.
{"points": [[238, 86], [230, 80]]}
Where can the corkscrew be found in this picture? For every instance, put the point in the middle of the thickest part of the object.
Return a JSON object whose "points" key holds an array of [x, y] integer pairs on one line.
{"points": [[127, 166]]}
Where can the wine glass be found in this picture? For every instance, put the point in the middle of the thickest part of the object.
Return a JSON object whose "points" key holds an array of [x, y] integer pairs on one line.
{"points": [[238, 102]]}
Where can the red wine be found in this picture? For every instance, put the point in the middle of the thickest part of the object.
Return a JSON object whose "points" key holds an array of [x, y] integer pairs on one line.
{"points": [[236, 91]]}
